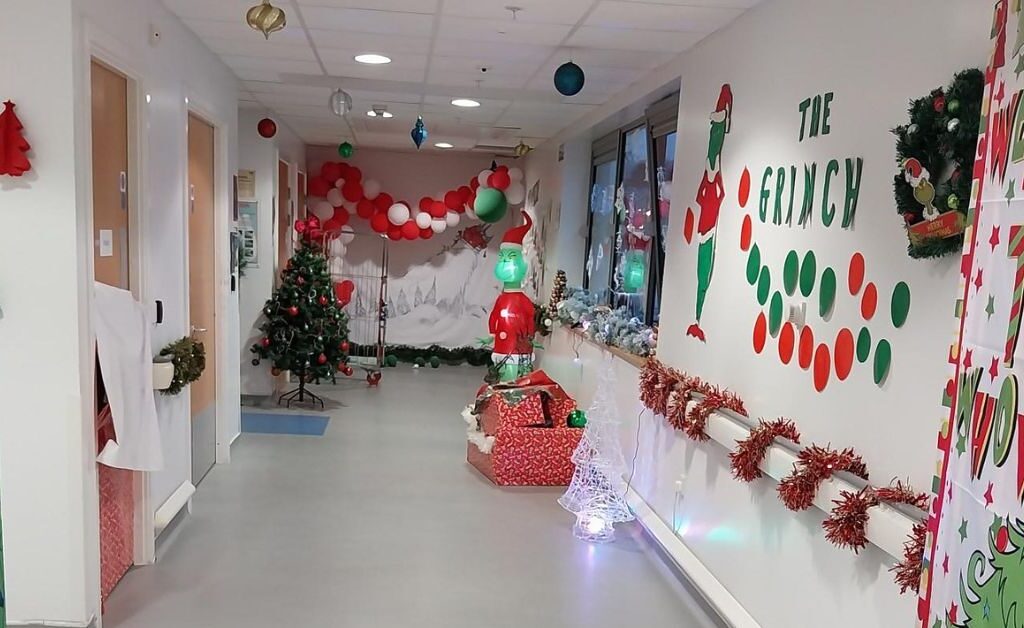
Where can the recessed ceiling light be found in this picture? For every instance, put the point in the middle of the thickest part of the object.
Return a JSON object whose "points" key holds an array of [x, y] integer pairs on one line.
{"points": [[381, 114], [444, 145], [372, 59], [465, 102]]}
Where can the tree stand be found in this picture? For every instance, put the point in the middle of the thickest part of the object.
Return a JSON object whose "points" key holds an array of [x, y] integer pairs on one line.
{"points": [[300, 395]]}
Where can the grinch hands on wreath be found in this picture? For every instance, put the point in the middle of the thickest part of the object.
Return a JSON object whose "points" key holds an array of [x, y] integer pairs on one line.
{"points": [[710, 195], [512, 318]]}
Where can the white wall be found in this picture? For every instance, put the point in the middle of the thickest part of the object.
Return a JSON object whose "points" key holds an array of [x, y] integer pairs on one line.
{"points": [[775, 56], [262, 155], [47, 440]]}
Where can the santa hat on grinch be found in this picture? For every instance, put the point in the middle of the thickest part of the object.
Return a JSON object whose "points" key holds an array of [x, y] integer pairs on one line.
{"points": [[513, 238], [723, 110]]}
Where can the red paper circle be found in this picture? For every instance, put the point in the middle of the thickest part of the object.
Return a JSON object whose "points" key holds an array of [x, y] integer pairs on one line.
{"points": [[856, 273], [379, 223], [746, 233], [331, 172], [844, 354], [383, 202], [760, 332], [787, 343], [453, 200], [822, 368], [352, 191], [410, 231], [806, 350], [395, 233], [869, 302], [427, 233], [365, 209], [318, 186], [744, 192], [437, 209], [688, 226]]}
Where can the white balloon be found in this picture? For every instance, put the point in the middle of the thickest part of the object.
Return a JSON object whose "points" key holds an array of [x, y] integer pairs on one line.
{"points": [[484, 176], [337, 248], [438, 225], [470, 212], [516, 174], [423, 220], [350, 206], [371, 189], [340, 183], [322, 210], [348, 234], [398, 214], [335, 198], [337, 268], [515, 194], [452, 219]]}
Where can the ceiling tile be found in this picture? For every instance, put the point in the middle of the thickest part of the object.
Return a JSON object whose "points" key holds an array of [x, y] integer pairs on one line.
{"points": [[490, 52], [294, 51], [534, 11], [404, 6], [367, 21], [615, 39], [238, 30], [236, 62], [204, 9], [394, 47], [606, 58], [663, 17], [501, 31], [728, 4]]}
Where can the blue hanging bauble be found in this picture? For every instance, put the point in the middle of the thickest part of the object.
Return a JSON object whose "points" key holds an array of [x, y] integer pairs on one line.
{"points": [[419, 132], [569, 79]]}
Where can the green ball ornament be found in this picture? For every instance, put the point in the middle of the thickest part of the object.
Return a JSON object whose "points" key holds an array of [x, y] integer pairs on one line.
{"points": [[391, 360], [435, 362], [577, 418], [490, 205], [345, 150], [953, 202], [953, 106], [420, 362]]}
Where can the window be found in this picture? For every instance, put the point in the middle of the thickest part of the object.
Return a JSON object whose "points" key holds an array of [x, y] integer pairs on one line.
{"points": [[629, 208]]}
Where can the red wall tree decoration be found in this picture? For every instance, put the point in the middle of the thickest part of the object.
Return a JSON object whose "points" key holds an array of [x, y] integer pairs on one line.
{"points": [[12, 144]]}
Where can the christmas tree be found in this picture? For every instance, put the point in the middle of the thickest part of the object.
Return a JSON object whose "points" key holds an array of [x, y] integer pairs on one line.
{"points": [[305, 330], [597, 492], [12, 144], [998, 602], [557, 292]]}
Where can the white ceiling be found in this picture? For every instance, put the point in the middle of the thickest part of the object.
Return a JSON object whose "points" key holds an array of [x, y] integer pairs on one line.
{"points": [[438, 48]]}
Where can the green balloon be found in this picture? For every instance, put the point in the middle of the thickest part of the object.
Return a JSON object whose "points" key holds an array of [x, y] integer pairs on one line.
{"points": [[391, 360], [490, 205], [345, 150], [435, 362]]}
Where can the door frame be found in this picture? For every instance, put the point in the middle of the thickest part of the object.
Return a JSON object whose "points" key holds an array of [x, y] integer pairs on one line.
{"points": [[197, 105], [109, 52]]}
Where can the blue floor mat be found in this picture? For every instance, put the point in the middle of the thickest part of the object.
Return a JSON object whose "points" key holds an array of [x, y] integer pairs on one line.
{"points": [[293, 424]]}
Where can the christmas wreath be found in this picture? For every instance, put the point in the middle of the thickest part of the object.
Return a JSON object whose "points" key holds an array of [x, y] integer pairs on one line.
{"points": [[936, 152], [189, 358]]}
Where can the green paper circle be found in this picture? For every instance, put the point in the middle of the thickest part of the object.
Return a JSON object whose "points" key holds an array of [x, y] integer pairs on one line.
{"points": [[753, 265], [900, 304], [775, 314], [883, 360], [827, 296], [863, 345], [764, 285], [808, 274], [791, 272]]}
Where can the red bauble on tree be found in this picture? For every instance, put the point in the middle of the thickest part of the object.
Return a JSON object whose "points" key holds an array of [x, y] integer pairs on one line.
{"points": [[265, 342], [293, 310], [344, 346], [13, 145], [321, 359], [266, 128]]}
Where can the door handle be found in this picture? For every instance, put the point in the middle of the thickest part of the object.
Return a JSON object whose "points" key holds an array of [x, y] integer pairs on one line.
{"points": [[198, 330]]}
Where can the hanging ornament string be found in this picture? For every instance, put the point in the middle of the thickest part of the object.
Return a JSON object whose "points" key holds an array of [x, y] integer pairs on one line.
{"points": [[750, 452]]}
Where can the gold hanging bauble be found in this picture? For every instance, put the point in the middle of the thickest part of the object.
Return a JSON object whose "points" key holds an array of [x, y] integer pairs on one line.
{"points": [[522, 149], [266, 18]]}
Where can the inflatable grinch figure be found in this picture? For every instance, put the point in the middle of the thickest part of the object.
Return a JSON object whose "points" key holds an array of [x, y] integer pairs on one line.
{"points": [[512, 318]]}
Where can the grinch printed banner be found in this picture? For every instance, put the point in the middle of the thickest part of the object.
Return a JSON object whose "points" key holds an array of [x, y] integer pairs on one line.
{"points": [[973, 575]]}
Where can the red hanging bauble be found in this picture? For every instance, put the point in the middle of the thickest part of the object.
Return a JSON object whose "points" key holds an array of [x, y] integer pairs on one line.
{"points": [[321, 359], [323, 300], [293, 310], [265, 342], [266, 128], [344, 346]]}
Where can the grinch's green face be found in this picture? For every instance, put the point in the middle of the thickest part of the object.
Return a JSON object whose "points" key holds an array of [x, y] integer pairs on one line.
{"points": [[718, 131], [511, 268]]}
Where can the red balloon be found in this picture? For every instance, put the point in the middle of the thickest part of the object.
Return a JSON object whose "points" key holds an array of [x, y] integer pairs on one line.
{"points": [[438, 210], [330, 171], [332, 225], [383, 202], [318, 186], [313, 222], [354, 174], [474, 184], [425, 203], [410, 231], [453, 199], [266, 128], [464, 193], [379, 223], [501, 168], [500, 180], [352, 191], [395, 233], [427, 233], [347, 287], [472, 200], [340, 216], [344, 168], [365, 209]]}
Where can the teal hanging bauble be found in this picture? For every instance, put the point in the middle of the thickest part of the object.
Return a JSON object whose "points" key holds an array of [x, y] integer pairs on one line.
{"points": [[569, 79], [419, 133], [345, 150]]}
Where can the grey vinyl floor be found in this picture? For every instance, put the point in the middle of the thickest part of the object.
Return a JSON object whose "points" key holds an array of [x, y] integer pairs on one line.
{"points": [[381, 523]]}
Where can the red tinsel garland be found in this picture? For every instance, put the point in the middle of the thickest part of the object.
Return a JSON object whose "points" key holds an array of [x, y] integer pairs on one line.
{"points": [[847, 524], [746, 460], [649, 378], [675, 408], [908, 572], [814, 465], [714, 399], [902, 494]]}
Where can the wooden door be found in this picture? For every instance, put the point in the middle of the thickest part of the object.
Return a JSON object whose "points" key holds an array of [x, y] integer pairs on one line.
{"points": [[300, 211], [110, 176], [202, 291], [284, 220]]}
